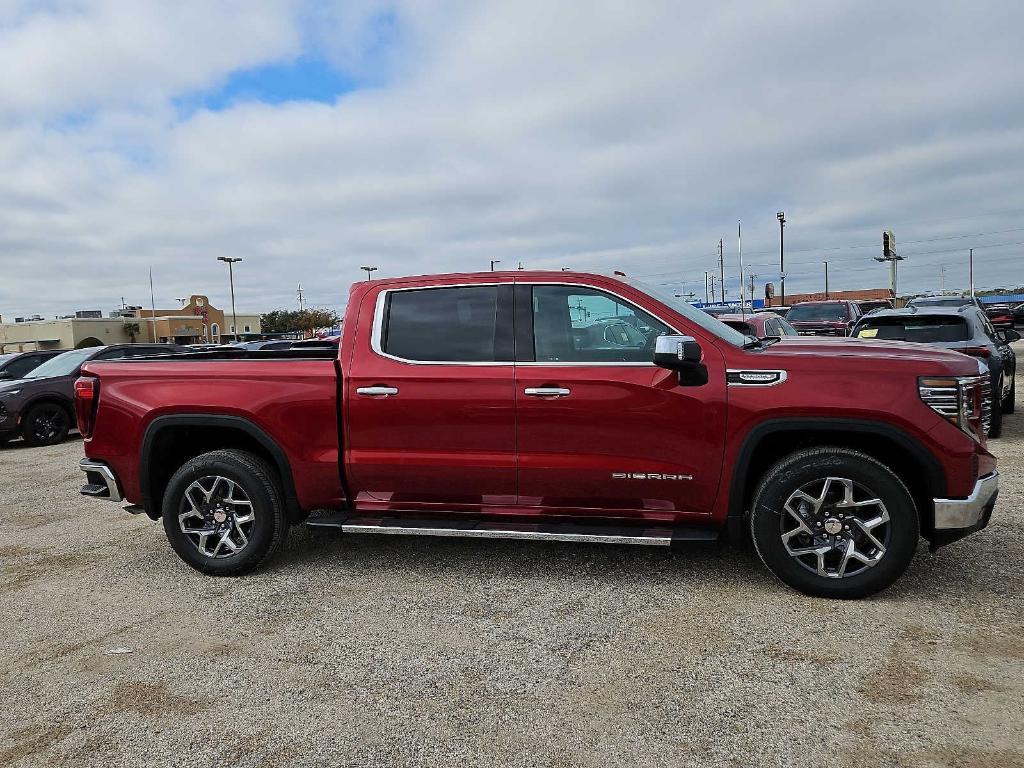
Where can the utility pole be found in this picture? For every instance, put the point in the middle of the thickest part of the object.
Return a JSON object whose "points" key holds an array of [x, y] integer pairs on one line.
{"points": [[942, 278], [301, 300], [152, 307], [752, 292], [712, 286], [231, 276], [971, 264], [826, 280], [781, 216], [721, 269], [739, 252], [707, 294]]}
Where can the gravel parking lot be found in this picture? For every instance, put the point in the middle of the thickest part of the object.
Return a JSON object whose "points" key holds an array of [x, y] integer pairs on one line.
{"points": [[388, 651]]}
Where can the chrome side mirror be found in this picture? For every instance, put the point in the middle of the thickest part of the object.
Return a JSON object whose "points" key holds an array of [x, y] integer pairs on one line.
{"points": [[681, 354], [676, 352]]}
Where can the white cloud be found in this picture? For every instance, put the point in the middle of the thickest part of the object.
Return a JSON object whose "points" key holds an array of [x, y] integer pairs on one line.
{"points": [[628, 136]]}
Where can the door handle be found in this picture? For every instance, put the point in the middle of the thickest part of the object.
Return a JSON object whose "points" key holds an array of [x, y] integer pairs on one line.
{"points": [[547, 391], [377, 391]]}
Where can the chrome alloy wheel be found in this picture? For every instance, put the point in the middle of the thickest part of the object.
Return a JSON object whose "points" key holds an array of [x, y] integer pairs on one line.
{"points": [[835, 527], [217, 515]]}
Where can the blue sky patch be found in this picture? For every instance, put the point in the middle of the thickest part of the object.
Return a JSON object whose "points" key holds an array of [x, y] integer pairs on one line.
{"points": [[305, 79]]}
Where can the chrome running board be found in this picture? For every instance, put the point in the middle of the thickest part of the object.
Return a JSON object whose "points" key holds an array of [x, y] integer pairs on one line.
{"points": [[522, 530]]}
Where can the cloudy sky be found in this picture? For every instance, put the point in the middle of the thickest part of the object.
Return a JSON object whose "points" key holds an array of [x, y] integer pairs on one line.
{"points": [[311, 137]]}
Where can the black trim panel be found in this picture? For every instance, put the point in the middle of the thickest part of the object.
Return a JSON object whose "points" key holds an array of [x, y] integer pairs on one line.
{"points": [[523, 323], [934, 475], [213, 420]]}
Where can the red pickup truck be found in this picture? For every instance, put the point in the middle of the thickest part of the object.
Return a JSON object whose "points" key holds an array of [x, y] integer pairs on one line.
{"points": [[557, 406]]}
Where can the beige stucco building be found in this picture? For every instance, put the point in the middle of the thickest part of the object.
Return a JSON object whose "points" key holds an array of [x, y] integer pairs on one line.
{"points": [[196, 322]]}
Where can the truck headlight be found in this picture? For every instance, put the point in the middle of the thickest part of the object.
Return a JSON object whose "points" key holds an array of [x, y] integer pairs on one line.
{"points": [[960, 400]]}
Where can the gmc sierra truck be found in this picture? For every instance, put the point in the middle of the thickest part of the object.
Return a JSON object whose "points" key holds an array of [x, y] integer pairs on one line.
{"points": [[552, 406]]}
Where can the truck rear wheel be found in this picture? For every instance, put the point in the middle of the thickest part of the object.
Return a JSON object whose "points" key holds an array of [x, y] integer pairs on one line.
{"points": [[833, 522], [223, 514]]}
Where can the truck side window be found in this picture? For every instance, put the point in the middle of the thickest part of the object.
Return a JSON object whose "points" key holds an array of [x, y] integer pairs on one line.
{"points": [[442, 324], [583, 325]]}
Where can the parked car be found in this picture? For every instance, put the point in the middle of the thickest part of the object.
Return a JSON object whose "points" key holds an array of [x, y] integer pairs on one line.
{"points": [[15, 365], [39, 406], [945, 301], [466, 405], [326, 341], [716, 311], [1018, 314], [780, 311], [870, 305], [964, 329], [1000, 315], [265, 344], [824, 318], [761, 325]]}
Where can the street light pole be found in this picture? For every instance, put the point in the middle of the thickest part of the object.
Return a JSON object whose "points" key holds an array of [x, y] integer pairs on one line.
{"points": [[368, 270], [231, 277], [781, 216], [972, 272], [493, 262], [826, 280]]}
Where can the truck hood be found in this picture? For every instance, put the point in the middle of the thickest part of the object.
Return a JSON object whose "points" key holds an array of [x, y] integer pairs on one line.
{"points": [[880, 351]]}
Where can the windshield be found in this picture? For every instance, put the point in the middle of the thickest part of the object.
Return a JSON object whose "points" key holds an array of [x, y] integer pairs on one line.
{"points": [[825, 312], [923, 330], [691, 313], [62, 365]]}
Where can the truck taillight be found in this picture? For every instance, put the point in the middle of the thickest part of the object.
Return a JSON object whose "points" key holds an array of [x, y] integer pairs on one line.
{"points": [[87, 395]]}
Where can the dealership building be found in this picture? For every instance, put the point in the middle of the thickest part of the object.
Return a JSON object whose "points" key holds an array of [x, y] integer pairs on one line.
{"points": [[194, 323]]}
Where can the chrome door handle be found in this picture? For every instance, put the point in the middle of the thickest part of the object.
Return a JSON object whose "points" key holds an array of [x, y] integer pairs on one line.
{"points": [[377, 391], [547, 391]]}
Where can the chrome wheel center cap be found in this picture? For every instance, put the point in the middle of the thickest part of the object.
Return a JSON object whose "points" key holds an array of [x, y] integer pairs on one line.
{"points": [[833, 526], [220, 517]]}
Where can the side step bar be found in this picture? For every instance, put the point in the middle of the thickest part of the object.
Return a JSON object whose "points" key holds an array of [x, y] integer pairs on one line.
{"points": [[497, 529]]}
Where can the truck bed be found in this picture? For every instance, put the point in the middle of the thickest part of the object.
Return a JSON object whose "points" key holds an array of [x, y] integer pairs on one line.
{"points": [[283, 400]]}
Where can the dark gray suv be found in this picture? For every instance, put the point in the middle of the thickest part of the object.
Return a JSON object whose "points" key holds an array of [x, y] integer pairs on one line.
{"points": [[40, 406], [963, 328]]}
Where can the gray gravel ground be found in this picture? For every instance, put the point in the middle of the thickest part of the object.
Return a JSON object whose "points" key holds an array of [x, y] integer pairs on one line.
{"points": [[369, 651]]}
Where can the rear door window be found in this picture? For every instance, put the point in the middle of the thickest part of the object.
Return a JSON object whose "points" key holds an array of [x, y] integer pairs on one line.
{"points": [[456, 325], [922, 330]]}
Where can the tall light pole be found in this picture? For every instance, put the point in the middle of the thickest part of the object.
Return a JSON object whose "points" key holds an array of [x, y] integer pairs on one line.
{"points": [[971, 267], [231, 276], [781, 216], [493, 262], [368, 270], [826, 279]]}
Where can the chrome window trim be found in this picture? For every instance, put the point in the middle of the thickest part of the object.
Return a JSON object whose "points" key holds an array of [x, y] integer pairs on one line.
{"points": [[377, 330], [783, 375]]}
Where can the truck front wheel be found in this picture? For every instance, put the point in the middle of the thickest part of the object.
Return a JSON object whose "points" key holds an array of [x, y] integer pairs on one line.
{"points": [[834, 522], [223, 514]]}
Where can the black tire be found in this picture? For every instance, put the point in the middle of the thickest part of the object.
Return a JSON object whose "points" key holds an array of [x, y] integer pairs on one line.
{"points": [[804, 469], [995, 426], [256, 481], [1010, 403], [46, 424]]}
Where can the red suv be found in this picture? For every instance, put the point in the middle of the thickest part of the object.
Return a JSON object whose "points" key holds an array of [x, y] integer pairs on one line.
{"points": [[824, 318]]}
